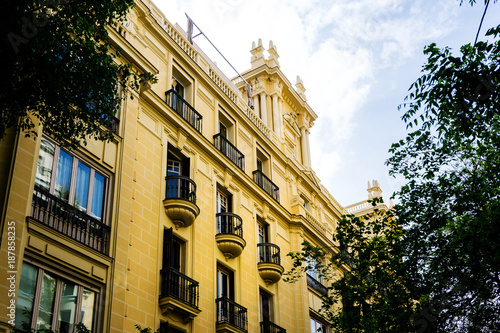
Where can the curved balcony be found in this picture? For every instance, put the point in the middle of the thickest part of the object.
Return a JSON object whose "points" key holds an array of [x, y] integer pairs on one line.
{"points": [[229, 236], [269, 264], [180, 201]]}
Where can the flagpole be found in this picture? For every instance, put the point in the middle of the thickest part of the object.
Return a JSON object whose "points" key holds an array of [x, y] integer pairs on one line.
{"points": [[190, 21]]}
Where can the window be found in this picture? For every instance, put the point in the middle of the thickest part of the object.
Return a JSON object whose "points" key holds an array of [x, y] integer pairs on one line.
{"points": [[47, 301], [263, 163], [307, 205], [178, 182], [70, 179], [225, 283], [222, 202], [318, 326], [173, 249], [311, 270], [263, 232], [223, 130], [266, 306]]}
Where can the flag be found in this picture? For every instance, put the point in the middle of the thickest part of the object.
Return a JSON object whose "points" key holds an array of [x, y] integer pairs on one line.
{"points": [[190, 30]]}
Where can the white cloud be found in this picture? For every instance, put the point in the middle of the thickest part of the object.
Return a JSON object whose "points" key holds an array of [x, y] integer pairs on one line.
{"points": [[339, 48]]}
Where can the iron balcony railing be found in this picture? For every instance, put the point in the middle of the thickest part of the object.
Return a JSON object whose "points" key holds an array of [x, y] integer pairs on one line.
{"points": [[179, 286], [229, 223], [230, 312], [270, 327], [266, 184], [316, 285], [180, 187], [269, 253], [183, 109], [229, 150], [70, 221]]}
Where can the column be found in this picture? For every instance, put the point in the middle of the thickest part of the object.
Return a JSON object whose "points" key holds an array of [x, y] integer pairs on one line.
{"points": [[280, 115], [303, 142], [276, 115], [308, 149], [256, 104], [263, 108]]}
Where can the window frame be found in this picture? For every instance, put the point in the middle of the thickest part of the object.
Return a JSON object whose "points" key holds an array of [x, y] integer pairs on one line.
{"points": [[77, 159], [61, 276], [224, 271]]}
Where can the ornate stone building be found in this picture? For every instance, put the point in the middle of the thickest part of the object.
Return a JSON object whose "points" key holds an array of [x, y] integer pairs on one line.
{"points": [[185, 219]]}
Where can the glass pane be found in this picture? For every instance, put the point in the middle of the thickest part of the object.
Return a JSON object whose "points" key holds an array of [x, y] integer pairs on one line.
{"points": [[88, 302], [46, 302], [44, 167], [173, 168], [82, 187], [63, 179], [97, 196], [67, 308], [313, 326], [27, 288]]}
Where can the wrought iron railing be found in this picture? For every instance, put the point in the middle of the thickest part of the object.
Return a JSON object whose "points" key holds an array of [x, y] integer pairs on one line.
{"points": [[180, 187], [270, 327], [266, 184], [229, 223], [183, 109], [269, 253], [179, 286], [229, 150], [316, 285], [230, 312], [70, 221]]}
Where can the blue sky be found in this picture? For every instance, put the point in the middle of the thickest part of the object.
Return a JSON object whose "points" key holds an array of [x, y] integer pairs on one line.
{"points": [[356, 58]]}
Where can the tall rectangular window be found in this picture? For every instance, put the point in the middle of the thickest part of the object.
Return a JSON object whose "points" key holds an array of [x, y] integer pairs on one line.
{"points": [[60, 305], [266, 306], [71, 179], [225, 283]]}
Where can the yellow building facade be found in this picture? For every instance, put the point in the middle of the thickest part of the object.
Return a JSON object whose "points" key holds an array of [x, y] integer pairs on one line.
{"points": [[184, 220]]}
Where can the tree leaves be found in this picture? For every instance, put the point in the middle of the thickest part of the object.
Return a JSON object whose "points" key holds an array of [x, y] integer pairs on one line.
{"points": [[449, 206], [61, 70]]}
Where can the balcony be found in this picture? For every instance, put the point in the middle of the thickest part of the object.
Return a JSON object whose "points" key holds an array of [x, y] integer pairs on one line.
{"points": [[270, 327], [266, 184], [179, 294], [183, 109], [316, 285], [269, 264], [70, 221], [231, 317], [229, 236], [180, 201], [229, 150]]}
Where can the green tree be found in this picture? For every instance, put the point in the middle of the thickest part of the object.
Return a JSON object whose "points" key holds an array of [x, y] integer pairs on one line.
{"points": [[450, 205], [365, 277], [59, 66]]}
